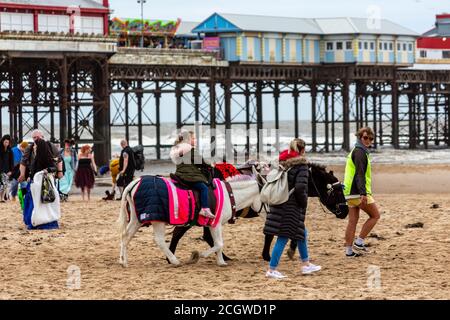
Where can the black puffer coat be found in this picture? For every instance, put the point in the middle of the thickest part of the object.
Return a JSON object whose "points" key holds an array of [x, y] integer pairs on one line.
{"points": [[288, 219]]}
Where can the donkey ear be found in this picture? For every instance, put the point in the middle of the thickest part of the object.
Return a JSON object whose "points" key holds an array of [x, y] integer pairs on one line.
{"points": [[332, 172]]}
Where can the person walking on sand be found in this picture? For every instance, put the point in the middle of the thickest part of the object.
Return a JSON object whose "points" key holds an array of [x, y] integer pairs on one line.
{"points": [[69, 156], [18, 152], [86, 171], [287, 220], [358, 192], [39, 158]]}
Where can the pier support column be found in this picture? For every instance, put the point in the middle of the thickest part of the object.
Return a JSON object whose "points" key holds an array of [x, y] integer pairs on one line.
{"points": [[333, 125], [447, 110], [213, 118], [228, 142], [296, 95], [412, 120], [179, 97], [63, 100], [327, 121], [102, 117], [196, 95], [346, 114], [425, 114], [139, 96], [247, 117], [314, 116], [259, 119], [127, 110], [395, 116], [158, 120], [276, 96]]}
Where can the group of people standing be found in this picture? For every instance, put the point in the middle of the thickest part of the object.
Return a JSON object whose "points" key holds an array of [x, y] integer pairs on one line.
{"points": [[62, 167], [18, 165]]}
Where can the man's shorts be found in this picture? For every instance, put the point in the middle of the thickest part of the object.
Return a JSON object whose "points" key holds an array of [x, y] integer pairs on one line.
{"points": [[353, 203]]}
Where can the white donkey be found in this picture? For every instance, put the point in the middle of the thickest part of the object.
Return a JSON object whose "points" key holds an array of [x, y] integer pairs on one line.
{"points": [[246, 193]]}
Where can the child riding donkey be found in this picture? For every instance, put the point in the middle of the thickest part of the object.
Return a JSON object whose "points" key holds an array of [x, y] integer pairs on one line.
{"points": [[190, 168]]}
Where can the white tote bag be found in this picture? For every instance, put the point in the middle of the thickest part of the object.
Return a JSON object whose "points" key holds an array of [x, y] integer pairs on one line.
{"points": [[43, 213]]}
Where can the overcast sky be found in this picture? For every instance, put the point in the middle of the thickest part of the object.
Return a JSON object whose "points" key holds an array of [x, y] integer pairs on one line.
{"points": [[418, 15]]}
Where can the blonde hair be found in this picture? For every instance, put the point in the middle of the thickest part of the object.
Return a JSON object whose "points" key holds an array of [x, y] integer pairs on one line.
{"points": [[24, 145], [184, 137], [297, 145], [363, 130]]}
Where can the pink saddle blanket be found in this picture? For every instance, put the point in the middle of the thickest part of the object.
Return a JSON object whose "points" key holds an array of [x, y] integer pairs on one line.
{"points": [[182, 205]]}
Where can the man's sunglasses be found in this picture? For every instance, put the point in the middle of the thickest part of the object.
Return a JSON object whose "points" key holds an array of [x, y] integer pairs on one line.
{"points": [[368, 138]]}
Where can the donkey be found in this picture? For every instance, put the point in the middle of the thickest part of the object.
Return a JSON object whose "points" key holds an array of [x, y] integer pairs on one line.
{"points": [[322, 184], [246, 194]]}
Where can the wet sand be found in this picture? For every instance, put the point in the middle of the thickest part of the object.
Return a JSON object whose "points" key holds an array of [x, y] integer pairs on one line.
{"points": [[413, 262]]}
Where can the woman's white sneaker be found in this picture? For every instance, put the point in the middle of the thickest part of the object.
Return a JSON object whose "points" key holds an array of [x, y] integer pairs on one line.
{"points": [[310, 268], [274, 274]]}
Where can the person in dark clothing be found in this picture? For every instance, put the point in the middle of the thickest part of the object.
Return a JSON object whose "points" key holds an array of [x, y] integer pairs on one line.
{"points": [[287, 220], [358, 192], [126, 166], [40, 156], [6, 164], [36, 158], [86, 171]]}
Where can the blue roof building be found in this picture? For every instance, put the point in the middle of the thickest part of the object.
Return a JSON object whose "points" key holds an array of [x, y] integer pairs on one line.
{"points": [[263, 39]]}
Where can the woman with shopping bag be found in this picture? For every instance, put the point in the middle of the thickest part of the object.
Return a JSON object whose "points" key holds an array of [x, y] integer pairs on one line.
{"points": [[41, 210]]}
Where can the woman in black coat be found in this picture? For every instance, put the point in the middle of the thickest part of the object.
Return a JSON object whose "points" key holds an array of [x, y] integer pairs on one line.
{"points": [[287, 221]]}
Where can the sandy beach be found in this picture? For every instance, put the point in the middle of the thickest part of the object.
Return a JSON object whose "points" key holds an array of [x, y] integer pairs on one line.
{"points": [[412, 262]]}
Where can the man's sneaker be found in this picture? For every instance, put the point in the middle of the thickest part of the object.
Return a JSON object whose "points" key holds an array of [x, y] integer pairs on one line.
{"points": [[310, 268], [207, 213], [360, 247], [353, 255], [274, 274]]}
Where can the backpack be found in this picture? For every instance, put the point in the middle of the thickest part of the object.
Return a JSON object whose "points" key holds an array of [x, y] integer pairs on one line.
{"points": [[276, 190], [139, 158], [48, 194]]}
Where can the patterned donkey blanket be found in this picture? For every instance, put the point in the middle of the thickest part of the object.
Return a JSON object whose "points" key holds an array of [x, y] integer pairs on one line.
{"points": [[158, 199]]}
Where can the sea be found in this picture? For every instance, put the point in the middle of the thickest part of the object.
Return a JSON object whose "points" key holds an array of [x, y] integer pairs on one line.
{"points": [[238, 134]]}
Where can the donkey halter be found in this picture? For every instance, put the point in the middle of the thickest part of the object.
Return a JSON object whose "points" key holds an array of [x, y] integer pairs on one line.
{"points": [[330, 191]]}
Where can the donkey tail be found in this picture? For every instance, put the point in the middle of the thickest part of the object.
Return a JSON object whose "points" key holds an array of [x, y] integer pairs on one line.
{"points": [[123, 214]]}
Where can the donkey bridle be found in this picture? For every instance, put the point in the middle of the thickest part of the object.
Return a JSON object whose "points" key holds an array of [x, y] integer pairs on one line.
{"points": [[337, 210]]}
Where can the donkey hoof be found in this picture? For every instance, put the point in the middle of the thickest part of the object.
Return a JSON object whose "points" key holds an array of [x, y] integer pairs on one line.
{"points": [[195, 256], [226, 258], [222, 264], [175, 263]]}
